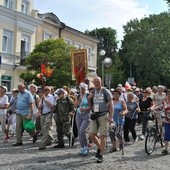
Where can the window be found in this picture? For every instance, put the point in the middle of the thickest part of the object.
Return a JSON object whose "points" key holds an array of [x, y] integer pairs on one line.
{"points": [[89, 52], [7, 41], [25, 45], [78, 46], [47, 36], [8, 4], [25, 6]]}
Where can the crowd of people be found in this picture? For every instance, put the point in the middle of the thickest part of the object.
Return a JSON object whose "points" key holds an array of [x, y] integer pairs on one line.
{"points": [[89, 114]]}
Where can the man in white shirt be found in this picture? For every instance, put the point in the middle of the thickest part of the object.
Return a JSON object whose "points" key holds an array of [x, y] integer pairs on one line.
{"points": [[46, 109]]}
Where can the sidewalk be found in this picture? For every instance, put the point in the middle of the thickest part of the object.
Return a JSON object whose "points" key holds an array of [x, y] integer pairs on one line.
{"points": [[28, 157]]}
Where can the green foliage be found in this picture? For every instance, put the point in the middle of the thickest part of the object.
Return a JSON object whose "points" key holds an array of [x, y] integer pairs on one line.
{"points": [[146, 46], [54, 53], [107, 37], [168, 2]]}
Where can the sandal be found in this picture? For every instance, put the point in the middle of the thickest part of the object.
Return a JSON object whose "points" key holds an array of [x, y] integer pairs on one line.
{"points": [[164, 152], [113, 150]]}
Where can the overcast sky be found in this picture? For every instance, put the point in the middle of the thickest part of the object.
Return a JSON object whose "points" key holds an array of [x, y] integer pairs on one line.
{"points": [[91, 14]]}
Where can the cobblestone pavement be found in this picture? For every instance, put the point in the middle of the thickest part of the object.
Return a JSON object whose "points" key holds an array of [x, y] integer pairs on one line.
{"points": [[28, 157]]}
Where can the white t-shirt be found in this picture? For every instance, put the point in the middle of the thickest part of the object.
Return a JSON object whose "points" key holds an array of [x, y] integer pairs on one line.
{"points": [[3, 101], [50, 99], [35, 109]]}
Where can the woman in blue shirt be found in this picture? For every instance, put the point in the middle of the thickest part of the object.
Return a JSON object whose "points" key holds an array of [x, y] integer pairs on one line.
{"points": [[120, 110], [82, 118]]}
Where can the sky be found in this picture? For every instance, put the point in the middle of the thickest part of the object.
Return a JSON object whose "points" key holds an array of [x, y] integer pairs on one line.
{"points": [[90, 14]]}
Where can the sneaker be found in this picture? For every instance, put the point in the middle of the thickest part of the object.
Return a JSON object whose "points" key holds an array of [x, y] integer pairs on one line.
{"points": [[142, 137], [59, 146], [97, 153], [85, 152], [100, 159], [136, 139], [42, 148], [30, 139], [81, 151], [18, 144], [164, 152]]}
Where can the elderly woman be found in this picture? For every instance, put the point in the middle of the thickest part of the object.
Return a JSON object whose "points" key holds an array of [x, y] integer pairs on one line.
{"points": [[36, 101], [3, 111], [120, 110], [131, 117], [82, 118]]}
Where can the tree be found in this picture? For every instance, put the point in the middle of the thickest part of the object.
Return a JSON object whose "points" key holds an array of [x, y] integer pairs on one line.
{"points": [[55, 54], [168, 2], [146, 47], [107, 37]]}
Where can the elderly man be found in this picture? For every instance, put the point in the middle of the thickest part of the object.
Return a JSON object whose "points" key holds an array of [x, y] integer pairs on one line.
{"points": [[46, 109], [24, 112], [64, 110], [102, 106]]}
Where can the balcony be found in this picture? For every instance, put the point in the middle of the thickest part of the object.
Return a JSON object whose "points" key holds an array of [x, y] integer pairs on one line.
{"points": [[9, 61], [20, 58]]}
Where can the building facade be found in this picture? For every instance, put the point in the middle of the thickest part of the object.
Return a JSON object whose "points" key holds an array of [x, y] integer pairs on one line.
{"points": [[17, 38], [22, 27]]}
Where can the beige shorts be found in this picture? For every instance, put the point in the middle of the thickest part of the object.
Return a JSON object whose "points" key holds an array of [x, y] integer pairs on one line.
{"points": [[101, 126]]}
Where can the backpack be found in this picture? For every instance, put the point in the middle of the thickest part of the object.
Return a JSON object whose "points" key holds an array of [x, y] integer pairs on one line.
{"points": [[68, 101], [35, 97], [104, 90]]}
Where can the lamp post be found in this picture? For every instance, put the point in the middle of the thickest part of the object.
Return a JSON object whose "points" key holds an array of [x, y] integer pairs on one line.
{"points": [[107, 62], [102, 53]]}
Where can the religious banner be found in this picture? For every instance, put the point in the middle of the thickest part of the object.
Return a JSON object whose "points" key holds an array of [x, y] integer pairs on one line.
{"points": [[79, 65]]}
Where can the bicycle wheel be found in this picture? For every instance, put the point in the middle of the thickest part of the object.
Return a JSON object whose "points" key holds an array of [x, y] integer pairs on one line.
{"points": [[150, 141]]}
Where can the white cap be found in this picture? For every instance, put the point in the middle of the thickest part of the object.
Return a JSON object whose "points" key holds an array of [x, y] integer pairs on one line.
{"points": [[84, 86], [5, 88], [60, 90], [33, 85], [120, 85]]}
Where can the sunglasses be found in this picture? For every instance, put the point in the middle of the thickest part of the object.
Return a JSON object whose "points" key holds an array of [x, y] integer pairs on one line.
{"points": [[46, 89], [115, 93]]}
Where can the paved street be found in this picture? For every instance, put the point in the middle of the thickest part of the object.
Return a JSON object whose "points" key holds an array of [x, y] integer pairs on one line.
{"points": [[28, 157]]}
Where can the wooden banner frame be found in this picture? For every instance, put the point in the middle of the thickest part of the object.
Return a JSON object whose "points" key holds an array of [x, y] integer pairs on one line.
{"points": [[79, 65]]}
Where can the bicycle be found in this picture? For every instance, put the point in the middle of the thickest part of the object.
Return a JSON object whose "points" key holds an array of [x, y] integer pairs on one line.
{"points": [[154, 135]]}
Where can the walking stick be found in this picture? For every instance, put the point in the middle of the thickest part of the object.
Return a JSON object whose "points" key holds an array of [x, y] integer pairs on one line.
{"points": [[119, 128], [71, 131]]}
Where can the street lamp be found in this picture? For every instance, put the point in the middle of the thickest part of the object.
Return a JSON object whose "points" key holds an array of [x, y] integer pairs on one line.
{"points": [[107, 62], [102, 53]]}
